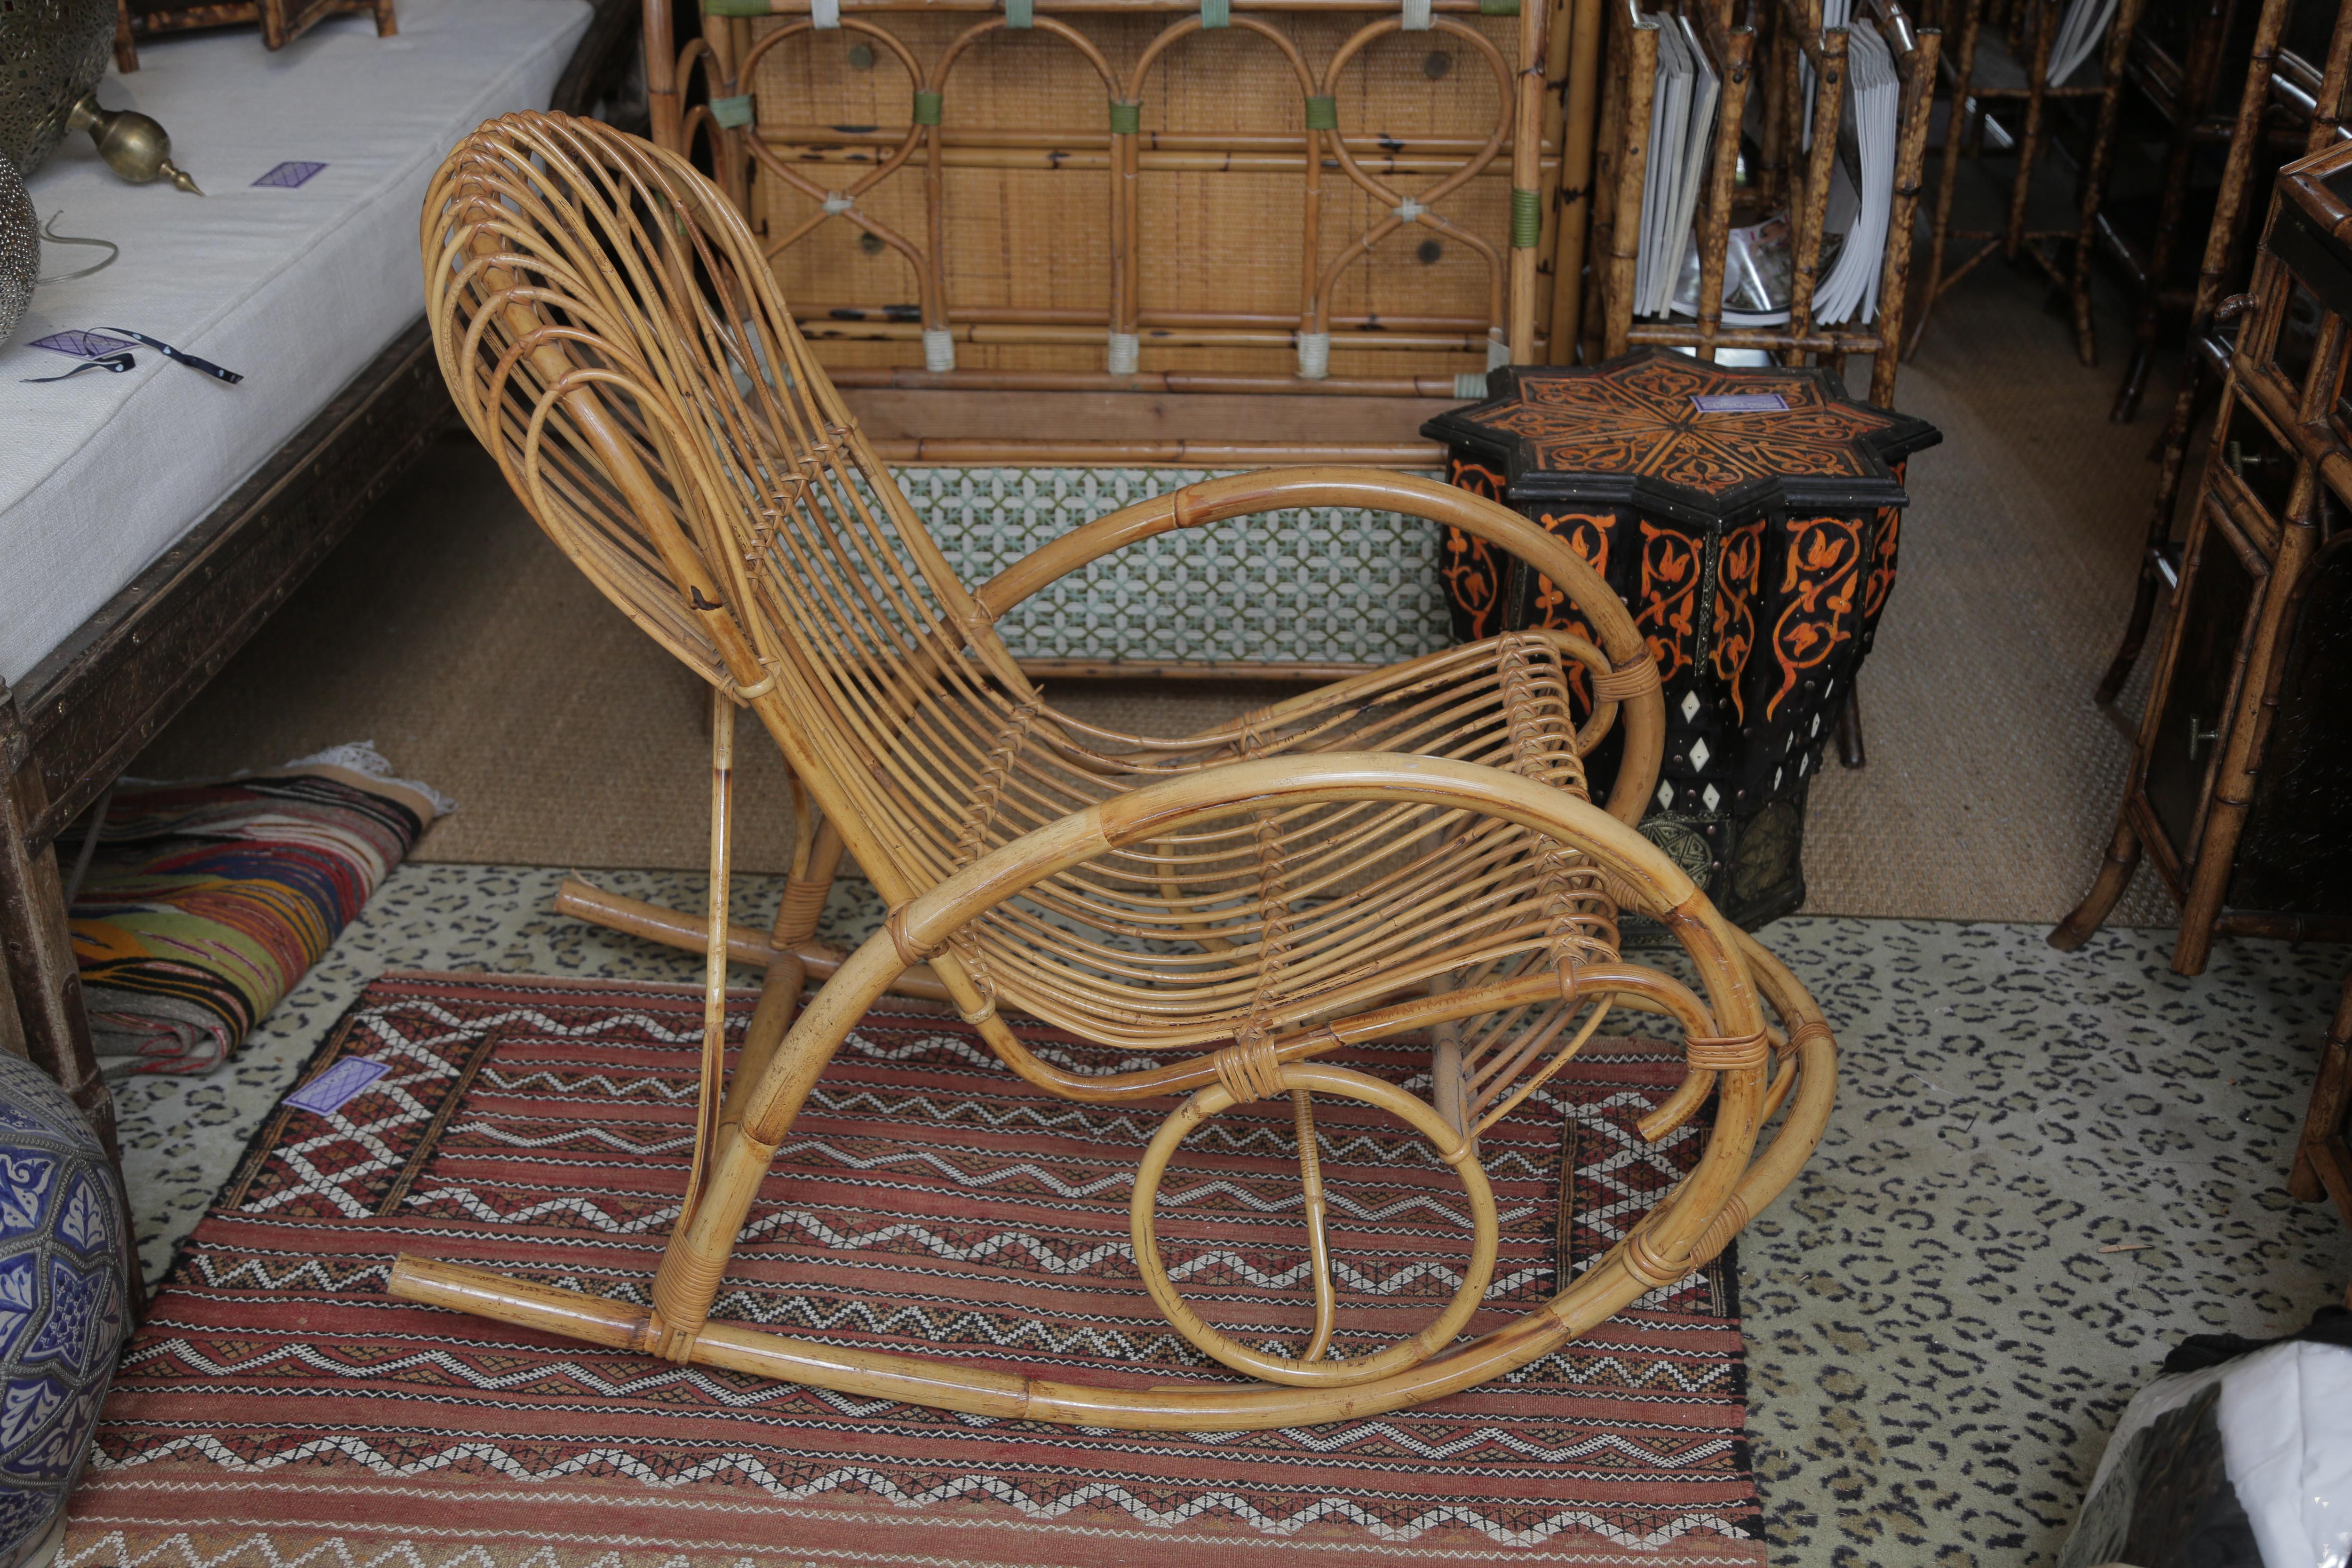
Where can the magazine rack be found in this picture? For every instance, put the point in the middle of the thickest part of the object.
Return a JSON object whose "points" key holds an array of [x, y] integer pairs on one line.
{"points": [[1793, 175]]}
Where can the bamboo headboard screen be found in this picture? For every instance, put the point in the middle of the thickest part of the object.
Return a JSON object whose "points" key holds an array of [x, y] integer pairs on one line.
{"points": [[1215, 195]]}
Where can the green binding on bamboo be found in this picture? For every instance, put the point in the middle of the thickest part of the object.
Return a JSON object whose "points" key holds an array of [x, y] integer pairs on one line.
{"points": [[1322, 113], [1019, 14], [735, 7], [927, 107], [1498, 8], [1216, 12], [1126, 116], [1527, 218], [734, 113]]}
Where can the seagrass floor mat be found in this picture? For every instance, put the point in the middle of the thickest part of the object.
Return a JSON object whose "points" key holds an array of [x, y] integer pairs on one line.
{"points": [[278, 1407]]}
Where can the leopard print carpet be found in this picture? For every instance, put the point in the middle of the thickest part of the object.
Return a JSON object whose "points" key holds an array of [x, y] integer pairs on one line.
{"points": [[2044, 1170]]}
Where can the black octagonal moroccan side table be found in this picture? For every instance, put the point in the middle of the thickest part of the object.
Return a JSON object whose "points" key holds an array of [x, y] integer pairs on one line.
{"points": [[1751, 518]]}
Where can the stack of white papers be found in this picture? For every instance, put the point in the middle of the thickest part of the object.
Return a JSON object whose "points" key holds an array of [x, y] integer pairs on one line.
{"points": [[1862, 183], [1861, 207], [1682, 135]]}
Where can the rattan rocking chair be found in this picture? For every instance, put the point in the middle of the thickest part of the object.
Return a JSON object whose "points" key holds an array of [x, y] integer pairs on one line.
{"points": [[1411, 850]]}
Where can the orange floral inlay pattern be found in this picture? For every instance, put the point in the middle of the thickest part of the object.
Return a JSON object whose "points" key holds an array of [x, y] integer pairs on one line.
{"points": [[1470, 572], [1669, 599], [1823, 573], [1738, 574]]}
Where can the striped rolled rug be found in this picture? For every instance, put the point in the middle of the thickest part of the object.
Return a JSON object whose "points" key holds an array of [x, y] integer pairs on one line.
{"points": [[201, 903]]}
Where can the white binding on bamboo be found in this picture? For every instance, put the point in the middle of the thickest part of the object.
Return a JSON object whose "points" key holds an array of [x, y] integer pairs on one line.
{"points": [[1314, 355]]}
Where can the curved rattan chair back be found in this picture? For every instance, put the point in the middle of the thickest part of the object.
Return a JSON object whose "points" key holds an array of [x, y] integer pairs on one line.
{"points": [[612, 333]]}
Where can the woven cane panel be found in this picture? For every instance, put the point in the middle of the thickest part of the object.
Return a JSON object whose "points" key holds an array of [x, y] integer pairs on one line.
{"points": [[1037, 236], [1336, 584]]}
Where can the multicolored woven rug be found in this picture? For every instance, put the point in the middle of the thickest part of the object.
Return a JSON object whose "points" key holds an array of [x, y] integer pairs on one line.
{"points": [[277, 1407], [209, 900]]}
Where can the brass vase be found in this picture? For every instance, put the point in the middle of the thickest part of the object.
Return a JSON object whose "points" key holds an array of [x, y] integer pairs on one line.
{"points": [[133, 144], [52, 52]]}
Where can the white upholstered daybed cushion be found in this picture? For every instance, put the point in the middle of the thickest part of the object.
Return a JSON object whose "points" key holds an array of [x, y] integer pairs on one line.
{"points": [[297, 289]]}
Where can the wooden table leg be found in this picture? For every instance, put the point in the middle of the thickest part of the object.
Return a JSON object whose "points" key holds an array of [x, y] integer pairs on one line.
{"points": [[1849, 730], [38, 948]]}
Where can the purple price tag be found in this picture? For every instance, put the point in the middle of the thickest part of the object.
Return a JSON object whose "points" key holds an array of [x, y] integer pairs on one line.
{"points": [[291, 175], [1739, 403], [81, 345], [338, 1085]]}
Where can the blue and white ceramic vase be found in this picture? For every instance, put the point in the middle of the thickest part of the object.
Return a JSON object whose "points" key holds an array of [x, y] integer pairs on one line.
{"points": [[61, 1299]]}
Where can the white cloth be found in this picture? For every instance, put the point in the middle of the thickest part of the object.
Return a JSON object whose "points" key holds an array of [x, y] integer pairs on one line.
{"points": [[297, 288]]}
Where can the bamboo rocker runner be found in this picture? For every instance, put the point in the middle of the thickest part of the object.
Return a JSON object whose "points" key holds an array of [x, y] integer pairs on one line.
{"points": [[1410, 850]]}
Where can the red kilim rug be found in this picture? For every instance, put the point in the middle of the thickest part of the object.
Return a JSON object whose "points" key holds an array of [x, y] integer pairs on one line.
{"points": [[277, 1407]]}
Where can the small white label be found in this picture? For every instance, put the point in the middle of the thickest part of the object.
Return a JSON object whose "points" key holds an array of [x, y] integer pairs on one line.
{"points": [[1739, 403], [338, 1085]]}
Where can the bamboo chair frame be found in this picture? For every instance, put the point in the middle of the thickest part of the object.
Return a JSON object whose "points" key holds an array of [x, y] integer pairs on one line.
{"points": [[1802, 181], [1409, 850], [1525, 143]]}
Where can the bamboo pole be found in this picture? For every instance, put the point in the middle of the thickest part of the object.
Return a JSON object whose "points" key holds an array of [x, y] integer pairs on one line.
{"points": [[1580, 111], [1150, 381], [1811, 208], [1593, 300], [2037, 90], [716, 926], [1175, 454], [1673, 335], [1527, 199], [2114, 62], [1559, 27], [1732, 48], [1917, 66], [1948, 170], [661, 75], [1451, 151], [1641, 74], [1081, 317], [966, 331], [1051, 159], [1108, 7]]}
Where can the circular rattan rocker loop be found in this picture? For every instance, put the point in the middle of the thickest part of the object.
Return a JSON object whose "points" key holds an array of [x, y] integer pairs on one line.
{"points": [[1346, 1084]]}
